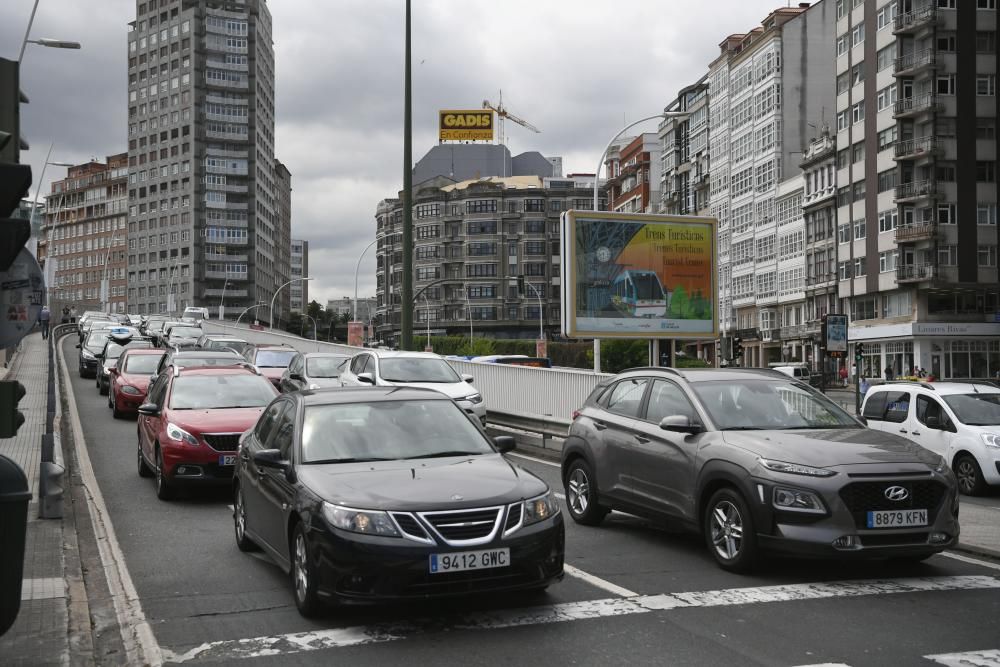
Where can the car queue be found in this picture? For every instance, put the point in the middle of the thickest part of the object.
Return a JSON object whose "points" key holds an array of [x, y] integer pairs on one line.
{"points": [[389, 487]]}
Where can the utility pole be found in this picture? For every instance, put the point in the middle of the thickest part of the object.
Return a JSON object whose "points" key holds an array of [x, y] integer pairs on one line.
{"points": [[406, 305]]}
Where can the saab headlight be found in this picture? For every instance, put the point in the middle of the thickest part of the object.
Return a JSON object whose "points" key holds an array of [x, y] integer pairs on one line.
{"points": [[175, 432], [539, 509], [367, 522], [795, 468]]}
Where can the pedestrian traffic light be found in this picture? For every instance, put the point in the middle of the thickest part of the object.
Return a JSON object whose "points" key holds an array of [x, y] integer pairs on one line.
{"points": [[15, 179], [737, 347], [11, 418], [520, 286]]}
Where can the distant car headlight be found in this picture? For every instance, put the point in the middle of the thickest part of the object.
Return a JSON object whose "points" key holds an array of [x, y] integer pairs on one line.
{"points": [[540, 508], [175, 432], [367, 522], [87, 355], [474, 398], [129, 389], [992, 439], [797, 500], [795, 468]]}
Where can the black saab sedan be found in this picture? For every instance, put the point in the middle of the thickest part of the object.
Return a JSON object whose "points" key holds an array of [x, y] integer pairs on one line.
{"points": [[390, 493]]}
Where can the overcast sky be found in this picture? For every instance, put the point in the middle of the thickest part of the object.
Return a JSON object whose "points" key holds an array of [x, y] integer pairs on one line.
{"points": [[576, 69]]}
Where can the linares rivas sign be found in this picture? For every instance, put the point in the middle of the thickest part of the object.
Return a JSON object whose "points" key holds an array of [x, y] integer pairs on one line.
{"points": [[634, 275], [465, 125]]}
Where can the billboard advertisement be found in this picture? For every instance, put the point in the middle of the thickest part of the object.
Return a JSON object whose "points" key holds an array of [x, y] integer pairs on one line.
{"points": [[465, 125], [835, 335], [635, 275]]}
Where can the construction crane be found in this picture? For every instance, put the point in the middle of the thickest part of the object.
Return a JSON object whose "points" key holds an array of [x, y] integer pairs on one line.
{"points": [[503, 114]]}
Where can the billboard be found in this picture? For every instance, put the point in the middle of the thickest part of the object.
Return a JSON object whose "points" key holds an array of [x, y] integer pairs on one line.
{"points": [[835, 335], [465, 125], [634, 275]]}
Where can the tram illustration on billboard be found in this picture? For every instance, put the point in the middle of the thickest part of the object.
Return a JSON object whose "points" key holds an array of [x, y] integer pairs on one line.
{"points": [[639, 294]]}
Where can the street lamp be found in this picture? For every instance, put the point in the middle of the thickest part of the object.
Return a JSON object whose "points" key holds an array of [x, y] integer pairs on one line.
{"points": [[541, 330], [222, 312], [314, 324], [597, 174], [356, 270], [246, 310], [468, 308], [51, 43], [427, 314], [270, 312], [105, 285]]}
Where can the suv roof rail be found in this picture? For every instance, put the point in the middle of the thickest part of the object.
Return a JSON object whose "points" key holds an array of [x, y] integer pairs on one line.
{"points": [[925, 385], [236, 364], [668, 369]]}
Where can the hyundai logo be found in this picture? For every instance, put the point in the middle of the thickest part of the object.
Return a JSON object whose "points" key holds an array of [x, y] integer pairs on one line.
{"points": [[896, 493]]}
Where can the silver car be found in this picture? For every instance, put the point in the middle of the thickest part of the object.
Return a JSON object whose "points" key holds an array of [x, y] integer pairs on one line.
{"points": [[755, 461], [388, 368], [313, 370]]}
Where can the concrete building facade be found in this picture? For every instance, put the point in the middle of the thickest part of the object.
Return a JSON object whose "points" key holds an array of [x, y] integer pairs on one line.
{"points": [[283, 268], [684, 155], [84, 234], [633, 169], [299, 268], [916, 175], [202, 216]]}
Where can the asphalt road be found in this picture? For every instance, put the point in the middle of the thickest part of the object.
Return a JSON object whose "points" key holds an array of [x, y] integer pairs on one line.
{"points": [[637, 594]]}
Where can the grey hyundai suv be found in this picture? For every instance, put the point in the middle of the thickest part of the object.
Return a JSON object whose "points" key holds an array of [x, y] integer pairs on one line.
{"points": [[755, 461]]}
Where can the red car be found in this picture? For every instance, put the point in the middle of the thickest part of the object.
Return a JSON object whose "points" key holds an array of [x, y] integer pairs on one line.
{"points": [[272, 360], [129, 379], [191, 423]]}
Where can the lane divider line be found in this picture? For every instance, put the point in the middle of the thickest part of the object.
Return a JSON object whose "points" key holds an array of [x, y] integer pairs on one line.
{"points": [[332, 638], [137, 635], [969, 559], [577, 573]]}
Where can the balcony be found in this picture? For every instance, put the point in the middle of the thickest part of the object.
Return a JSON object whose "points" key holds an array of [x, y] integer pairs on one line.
{"points": [[916, 231], [914, 106], [915, 190], [912, 63], [911, 273], [914, 21], [915, 149]]}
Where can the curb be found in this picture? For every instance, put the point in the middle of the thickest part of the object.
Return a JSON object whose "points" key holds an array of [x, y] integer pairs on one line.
{"points": [[977, 550]]}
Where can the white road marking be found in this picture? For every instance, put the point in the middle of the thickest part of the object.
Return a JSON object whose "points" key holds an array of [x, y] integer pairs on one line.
{"points": [[137, 635], [569, 611], [598, 582], [535, 460], [970, 659], [560, 496], [968, 559], [827, 664]]}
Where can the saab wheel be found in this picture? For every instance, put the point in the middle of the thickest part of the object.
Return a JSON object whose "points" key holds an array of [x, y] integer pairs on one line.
{"points": [[970, 477], [729, 531], [141, 464], [240, 523], [164, 491], [304, 576], [581, 494]]}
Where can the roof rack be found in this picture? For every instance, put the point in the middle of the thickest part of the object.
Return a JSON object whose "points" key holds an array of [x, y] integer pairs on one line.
{"points": [[668, 369], [236, 364], [925, 385]]}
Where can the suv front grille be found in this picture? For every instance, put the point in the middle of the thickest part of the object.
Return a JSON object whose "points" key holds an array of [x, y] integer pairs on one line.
{"points": [[222, 442], [863, 497], [474, 526]]}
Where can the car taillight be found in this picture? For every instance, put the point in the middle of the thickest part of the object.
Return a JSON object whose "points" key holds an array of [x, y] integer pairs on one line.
{"points": [[576, 413]]}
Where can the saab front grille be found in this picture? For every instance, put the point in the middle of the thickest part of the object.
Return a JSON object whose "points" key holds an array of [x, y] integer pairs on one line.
{"points": [[410, 526], [513, 516], [465, 526], [222, 442]]}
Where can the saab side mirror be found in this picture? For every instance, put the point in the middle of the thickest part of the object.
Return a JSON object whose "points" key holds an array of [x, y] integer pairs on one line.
{"points": [[504, 443], [149, 409], [366, 378], [269, 458], [467, 378], [680, 424]]}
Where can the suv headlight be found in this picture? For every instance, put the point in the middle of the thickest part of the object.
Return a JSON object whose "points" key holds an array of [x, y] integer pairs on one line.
{"points": [[175, 432], [795, 468], [367, 522], [539, 509], [796, 500], [991, 439], [474, 398]]}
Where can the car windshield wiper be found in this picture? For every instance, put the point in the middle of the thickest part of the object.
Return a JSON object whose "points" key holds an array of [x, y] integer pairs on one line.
{"points": [[347, 460], [744, 428], [436, 455]]}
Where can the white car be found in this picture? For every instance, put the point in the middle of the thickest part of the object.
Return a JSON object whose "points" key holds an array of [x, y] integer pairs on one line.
{"points": [[958, 420], [197, 314], [386, 368]]}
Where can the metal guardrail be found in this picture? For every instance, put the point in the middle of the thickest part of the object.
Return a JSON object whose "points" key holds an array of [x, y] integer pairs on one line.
{"points": [[546, 426], [52, 469]]}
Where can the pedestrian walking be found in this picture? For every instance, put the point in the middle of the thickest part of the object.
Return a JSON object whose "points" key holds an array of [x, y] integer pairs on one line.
{"points": [[72, 315], [65, 315], [43, 320], [888, 374], [864, 386], [843, 375]]}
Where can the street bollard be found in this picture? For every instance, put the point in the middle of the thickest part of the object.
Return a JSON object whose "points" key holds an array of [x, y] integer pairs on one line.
{"points": [[50, 477], [14, 497]]}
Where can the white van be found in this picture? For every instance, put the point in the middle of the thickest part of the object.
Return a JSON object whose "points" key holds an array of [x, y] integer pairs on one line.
{"points": [[198, 314], [798, 372]]}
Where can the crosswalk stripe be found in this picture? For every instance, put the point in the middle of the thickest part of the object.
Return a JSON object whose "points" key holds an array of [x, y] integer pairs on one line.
{"points": [[989, 658], [570, 611]]}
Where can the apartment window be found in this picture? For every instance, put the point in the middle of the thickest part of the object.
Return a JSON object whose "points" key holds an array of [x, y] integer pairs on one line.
{"points": [[859, 267], [482, 249], [864, 308], [844, 270], [885, 16], [844, 233], [858, 191], [986, 171], [945, 85], [534, 205], [857, 73], [885, 57], [480, 270], [946, 4], [987, 255], [986, 85], [886, 97], [887, 261], [859, 228], [946, 43], [843, 83], [842, 44], [945, 127], [986, 41], [481, 206], [945, 172], [858, 112], [948, 255], [534, 226], [482, 291], [858, 152], [842, 159], [858, 34], [887, 180], [843, 120], [428, 210], [841, 9], [475, 227], [946, 214], [986, 128], [888, 220], [986, 4], [986, 214]]}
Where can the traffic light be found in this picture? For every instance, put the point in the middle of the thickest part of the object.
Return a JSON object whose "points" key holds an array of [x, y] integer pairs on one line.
{"points": [[520, 286], [859, 350], [11, 418], [15, 179], [737, 347]]}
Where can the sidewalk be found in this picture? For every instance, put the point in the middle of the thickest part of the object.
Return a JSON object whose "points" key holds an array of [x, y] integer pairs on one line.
{"points": [[40, 634]]}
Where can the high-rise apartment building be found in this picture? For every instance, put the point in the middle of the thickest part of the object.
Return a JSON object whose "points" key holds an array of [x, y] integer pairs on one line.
{"points": [[916, 120], [202, 215], [299, 290], [283, 192], [766, 91], [684, 158], [84, 236]]}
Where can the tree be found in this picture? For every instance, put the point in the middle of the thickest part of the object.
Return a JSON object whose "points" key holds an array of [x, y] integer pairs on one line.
{"points": [[314, 309]]}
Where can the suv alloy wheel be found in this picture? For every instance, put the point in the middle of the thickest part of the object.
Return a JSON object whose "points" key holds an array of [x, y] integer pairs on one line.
{"points": [[581, 494], [729, 531]]}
